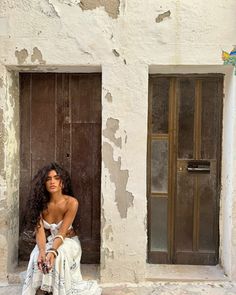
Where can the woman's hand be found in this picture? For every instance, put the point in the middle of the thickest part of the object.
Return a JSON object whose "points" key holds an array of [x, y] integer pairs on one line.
{"points": [[49, 261], [41, 259]]}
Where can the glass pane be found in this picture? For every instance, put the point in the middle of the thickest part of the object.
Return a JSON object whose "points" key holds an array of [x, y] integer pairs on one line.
{"points": [[160, 103], [210, 117], [186, 118], [159, 224], [159, 166]]}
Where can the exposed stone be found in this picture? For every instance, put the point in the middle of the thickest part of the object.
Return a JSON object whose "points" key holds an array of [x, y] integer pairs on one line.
{"points": [[21, 56], [1, 82], [37, 55], [112, 126], [115, 52], [108, 232], [108, 97], [119, 177], [110, 6], [163, 15]]}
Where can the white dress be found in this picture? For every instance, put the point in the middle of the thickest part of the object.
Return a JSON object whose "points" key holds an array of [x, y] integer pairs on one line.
{"points": [[65, 277]]}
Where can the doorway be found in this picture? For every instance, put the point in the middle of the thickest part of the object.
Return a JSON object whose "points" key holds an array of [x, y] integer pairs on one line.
{"points": [[61, 121], [184, 161]]}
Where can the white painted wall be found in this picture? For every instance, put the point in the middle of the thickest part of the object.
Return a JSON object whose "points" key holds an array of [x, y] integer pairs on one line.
{"points": [[57, 35]]}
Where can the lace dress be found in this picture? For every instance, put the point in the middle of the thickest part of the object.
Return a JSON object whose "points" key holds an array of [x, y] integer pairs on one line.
{"points": [[65, 277]]}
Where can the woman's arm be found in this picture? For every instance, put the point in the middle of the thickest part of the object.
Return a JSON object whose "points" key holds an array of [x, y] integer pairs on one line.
{"points": [[41, 242]]}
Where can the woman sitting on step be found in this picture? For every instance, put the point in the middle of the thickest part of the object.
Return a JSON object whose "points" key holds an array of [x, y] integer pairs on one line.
{"points": [[54, 266]]}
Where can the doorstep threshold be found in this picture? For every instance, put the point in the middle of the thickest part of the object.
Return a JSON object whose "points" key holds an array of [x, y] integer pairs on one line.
{"points": [[167, 272]]}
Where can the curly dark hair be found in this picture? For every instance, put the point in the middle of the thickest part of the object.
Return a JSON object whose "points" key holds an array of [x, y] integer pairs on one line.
{"points": [[39, 196]]}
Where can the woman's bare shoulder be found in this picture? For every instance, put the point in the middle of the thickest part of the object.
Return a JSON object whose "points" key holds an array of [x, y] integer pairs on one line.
{"points": [[72, 201]]}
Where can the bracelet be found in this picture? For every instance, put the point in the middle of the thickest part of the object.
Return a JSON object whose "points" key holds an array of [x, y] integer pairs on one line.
{"points": [[59, 237], [53, 249], [53, 252]]}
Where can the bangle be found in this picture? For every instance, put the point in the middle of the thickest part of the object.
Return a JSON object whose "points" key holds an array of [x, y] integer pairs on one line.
{"points": [[53, 249], [59, 237], [53, 252]]}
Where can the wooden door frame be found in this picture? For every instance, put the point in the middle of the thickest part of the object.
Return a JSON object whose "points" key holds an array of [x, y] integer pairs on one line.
{"points": [[63, 76]]}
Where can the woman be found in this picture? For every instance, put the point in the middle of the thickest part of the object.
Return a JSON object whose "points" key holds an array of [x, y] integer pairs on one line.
{"points": [[54, 265]]}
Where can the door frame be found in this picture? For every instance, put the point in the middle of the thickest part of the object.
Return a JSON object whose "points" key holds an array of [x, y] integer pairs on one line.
{"points": [[161, 257]]}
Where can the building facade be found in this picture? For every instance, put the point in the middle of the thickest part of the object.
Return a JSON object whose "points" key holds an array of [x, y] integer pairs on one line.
{"points": [[128, 43]]}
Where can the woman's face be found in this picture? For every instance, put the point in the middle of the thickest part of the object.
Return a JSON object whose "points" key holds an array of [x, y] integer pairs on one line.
{"points": [[53, 182]]}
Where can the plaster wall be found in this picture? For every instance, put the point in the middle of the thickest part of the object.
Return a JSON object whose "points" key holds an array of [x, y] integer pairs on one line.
{"points": [[124, 37], [9, 171]]}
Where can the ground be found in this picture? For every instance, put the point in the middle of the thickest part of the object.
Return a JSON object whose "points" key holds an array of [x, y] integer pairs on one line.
{"points": [[158, 288]]}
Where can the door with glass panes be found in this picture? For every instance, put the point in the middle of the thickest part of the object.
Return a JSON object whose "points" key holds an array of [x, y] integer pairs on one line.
{"points": [[184, 152]]}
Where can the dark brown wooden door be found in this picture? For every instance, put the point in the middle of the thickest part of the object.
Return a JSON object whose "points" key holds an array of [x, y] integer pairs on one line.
{"points": [[184, 168], [61, 121]]}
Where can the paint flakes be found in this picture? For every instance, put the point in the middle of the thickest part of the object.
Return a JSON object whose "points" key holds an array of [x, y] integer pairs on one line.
{"points": [[47, 8], [1, 83], [2, 158], [21, 56], [115, 52], [162, 16], [108, 97], [37, 55], [108, 232], [112, 126], [108, 253], [111, 6], [123, 198]]}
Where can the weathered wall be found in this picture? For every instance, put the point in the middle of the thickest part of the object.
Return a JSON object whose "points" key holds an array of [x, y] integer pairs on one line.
{"points": [[125, 37], [9, 171], [228, 200], [124, 176]]}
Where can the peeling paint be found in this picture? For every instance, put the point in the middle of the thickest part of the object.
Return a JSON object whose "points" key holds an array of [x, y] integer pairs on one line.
{"points": [[123, 198], [108, 232], [115, 52], [111, 6], [108, 253], [47, 8], [108, 97], [163, 15], [1, 142], [21, 55], [112, 126], [126, 137], [37, 55], [1, 83]]}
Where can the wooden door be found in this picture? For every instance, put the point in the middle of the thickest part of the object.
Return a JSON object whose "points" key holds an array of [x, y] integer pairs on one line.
{"points": [[61, 121], [184, 168]]}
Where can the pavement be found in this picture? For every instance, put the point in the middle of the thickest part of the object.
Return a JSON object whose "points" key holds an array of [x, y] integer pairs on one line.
{"points": [[153, 288], [160, 280]]}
